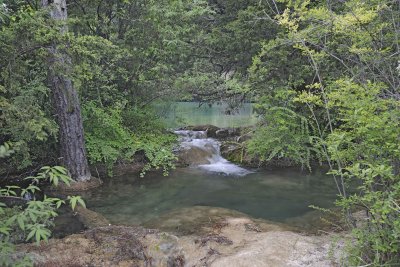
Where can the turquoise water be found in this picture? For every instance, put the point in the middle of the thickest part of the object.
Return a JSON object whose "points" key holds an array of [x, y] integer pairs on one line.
{"points": [[179, 114], [273, 195]]}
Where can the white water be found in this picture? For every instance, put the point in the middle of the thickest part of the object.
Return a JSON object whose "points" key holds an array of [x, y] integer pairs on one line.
{"points": [[217, 163]]}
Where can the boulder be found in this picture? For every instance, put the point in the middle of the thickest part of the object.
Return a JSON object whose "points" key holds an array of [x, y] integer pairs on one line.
{"points": [[222, 133], [91, 219], [193, 156], [232, 151], [228, 133]]}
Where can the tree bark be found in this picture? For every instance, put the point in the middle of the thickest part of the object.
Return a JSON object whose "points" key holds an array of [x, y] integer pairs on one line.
{"points": [[66, 102]]}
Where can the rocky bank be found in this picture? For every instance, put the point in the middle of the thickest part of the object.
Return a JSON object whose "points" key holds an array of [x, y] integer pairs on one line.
{"points": [[234, 240]]}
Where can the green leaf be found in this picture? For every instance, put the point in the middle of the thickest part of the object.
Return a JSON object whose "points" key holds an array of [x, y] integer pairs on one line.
{"points": [[72, 202], [21, 222], [32, 216], [5, 230], [81, 202], [60, 169], [30, 235], [59, 203]]}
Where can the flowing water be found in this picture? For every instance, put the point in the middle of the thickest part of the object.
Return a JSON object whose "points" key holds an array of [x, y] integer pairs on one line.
{"points": [[276, 195], [215, 162]]}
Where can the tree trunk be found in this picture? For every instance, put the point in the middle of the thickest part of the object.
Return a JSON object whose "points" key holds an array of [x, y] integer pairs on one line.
{"points": [[66, 102]]}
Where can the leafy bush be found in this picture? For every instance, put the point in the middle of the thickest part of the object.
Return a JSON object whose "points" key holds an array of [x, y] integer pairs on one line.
{"points": [[25, 113], [376, 238], [32, 221], [284, 135], [352, 103], [367, 145], [116, 135]]}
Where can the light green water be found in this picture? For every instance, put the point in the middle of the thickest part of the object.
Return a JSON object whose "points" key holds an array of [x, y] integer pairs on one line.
{"points": [[273, 195], [179, 114]]}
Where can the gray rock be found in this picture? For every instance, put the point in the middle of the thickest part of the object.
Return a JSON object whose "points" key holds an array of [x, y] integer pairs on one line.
{"points": [[210, 129], [222, 133]]}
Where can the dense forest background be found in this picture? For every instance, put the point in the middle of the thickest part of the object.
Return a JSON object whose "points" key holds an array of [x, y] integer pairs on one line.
{"points": [[324, 77]]}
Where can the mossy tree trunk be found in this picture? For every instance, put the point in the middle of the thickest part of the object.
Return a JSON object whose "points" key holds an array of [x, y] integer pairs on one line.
{"points": [[66, 101]]}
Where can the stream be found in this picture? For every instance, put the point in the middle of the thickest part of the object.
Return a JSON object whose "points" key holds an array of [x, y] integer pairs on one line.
{"points": [[280, 195]]}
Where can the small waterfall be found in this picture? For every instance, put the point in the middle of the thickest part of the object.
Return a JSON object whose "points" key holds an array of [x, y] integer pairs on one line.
{"points": [[210, 147]]}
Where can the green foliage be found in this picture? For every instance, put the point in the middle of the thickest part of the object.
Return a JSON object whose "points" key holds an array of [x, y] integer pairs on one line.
{"points": [[107, 140], [74, 200], [158, 150], [278, 72], [7, 260], [116, 134], [377, 238], [101, 71], [125, 55], [32, 221], [116, 66], [25, 120], [5, 150], [53, 174], [344, 83], [286, 135], [367, 144], [324, 76]]}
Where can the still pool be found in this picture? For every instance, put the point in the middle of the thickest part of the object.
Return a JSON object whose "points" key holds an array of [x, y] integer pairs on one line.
{"points": [[275, 195], [178, 114]]}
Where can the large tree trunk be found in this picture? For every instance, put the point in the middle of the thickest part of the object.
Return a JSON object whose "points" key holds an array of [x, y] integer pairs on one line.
{"points": [[66, 103]]}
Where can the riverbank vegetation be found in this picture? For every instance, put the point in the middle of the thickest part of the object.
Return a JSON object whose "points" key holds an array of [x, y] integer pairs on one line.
{"points": [[324, 78]]}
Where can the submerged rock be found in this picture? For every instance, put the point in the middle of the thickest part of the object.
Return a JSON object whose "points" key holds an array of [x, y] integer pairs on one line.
{"points": [[75, 186], [91, 219], [200, 220]]}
